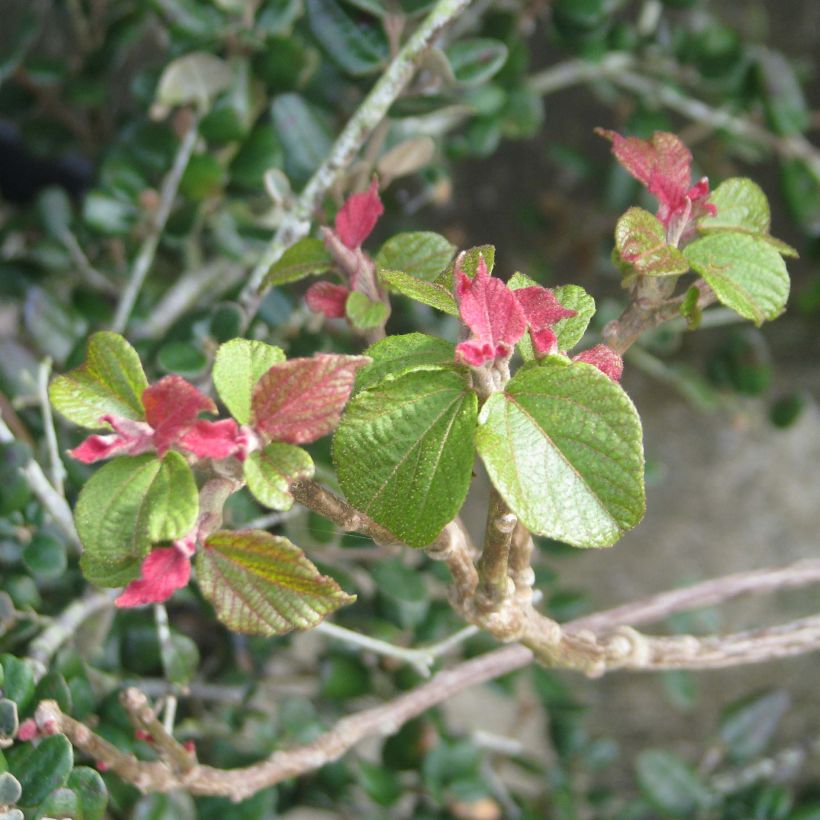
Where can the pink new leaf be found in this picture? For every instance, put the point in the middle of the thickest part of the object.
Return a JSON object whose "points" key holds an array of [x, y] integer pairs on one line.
{"points": [[542, 310], [605, 359], [27, 730], [491, 311], [219, 439], [301, 400], [172, 406], [327, 298], [130, 438], [359, 215], [663, 164], [163, 572]]}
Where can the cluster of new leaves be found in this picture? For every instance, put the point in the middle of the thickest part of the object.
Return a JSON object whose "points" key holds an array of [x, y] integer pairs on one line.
{"points": [[560, 440], [723, 237], [142, 517]]}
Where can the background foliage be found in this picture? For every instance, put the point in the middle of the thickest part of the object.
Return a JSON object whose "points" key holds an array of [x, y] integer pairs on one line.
{"points": [[487, 146]]}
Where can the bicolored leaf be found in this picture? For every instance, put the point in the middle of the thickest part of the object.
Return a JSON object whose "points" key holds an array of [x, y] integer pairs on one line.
{"points": [[262, 584], [128, 505], [172, 406], [365, 313], [328, 298], [270, 472], [238, 366], [396, 355], [162, 573], [301, 400], [641, 242], [358, 216], [743, 207], [110, 382], [746, 273], [433, 294], [491, 311], [423, 254], [308, 257], [404, 451], [562, 444]]}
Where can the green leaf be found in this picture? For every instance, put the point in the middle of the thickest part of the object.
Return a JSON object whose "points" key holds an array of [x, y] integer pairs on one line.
{"points": [[363, 312], [10, 789], [180, 658], [9, 723], [423, 254], [563, 446], [428, 293], [270, 472], [43, 768], [305, 135], [110, 382], [238, 366], [783, 101], [186, 359], [92, 794], [397, 355], [748, 725], [262, 584], [468, 261], [475, 61], [640, 239], [670, 785], [308, 257], [195, 78], [743, 207], [128, 505], [404, 452], [746, 273], [357, 48], [45, 556], [690, 310], [570, 331], [18, 682]]}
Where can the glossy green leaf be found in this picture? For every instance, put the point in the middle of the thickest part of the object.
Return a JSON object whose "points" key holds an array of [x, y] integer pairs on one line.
{"points": [[742, 206], [270, 472], [563, 445], [45, 556], [357, 48], [363, 312], [475, 61], [308, 257], [110, 382], [43, 768], [396, 355], [195, 78], [129, 505], [238, 366], [422, 254], [746, 273], [428, 293], [670, 784], [260, 152], [640, 239], [748, 726], [404, 452], [262, 584], [304, 133], [18, 681]]}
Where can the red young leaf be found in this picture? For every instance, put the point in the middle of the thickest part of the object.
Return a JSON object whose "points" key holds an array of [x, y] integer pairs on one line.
{"points": [[217, 439], [27, 730], [171, 408], [129, 439], [663, 164], [301, 400], [163, 572], [327, 298], [605, 359], [359, 215], [542, 310], [491, 311]]}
